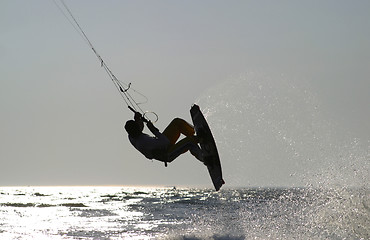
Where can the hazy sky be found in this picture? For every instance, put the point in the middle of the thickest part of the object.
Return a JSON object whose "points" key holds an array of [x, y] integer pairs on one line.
{"points": [[62, 119]]}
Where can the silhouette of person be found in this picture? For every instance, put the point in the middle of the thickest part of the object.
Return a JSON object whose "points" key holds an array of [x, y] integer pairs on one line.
{"points": [[163, 146]]}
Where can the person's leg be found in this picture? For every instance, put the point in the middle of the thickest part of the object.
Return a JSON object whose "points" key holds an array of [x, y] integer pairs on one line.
{"points": [[177, 127], [184, 145]]}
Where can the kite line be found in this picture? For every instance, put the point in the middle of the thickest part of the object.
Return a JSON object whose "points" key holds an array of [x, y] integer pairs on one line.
{"points": [[123, 88]]}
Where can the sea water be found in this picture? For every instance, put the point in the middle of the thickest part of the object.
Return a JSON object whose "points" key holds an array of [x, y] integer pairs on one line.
{"points": [[183, 213]]}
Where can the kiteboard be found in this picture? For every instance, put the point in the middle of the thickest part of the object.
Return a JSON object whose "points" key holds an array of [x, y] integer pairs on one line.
{"points": [[208, 146]]}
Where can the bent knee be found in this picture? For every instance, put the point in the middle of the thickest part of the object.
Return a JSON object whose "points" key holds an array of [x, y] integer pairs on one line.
{"points": [[177, 121]]}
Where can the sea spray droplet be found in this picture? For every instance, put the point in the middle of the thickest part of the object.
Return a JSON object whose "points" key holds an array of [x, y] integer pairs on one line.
{"points": [[270, 132]]}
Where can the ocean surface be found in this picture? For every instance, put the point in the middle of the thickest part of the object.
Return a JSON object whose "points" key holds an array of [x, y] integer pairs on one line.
{"points": [[183, 213]]}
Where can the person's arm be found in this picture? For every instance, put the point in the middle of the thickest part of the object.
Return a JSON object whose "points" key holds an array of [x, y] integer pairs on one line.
{"points": [[157, 133], [139, 120], [153, 129]]}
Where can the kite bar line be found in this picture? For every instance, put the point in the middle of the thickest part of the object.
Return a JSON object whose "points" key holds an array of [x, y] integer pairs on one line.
{"points": [[123, 89]]}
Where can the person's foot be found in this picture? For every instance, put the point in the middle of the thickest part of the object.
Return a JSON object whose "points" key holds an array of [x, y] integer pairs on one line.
{"points": [[200, 135], [196, 138], [197, 152]]}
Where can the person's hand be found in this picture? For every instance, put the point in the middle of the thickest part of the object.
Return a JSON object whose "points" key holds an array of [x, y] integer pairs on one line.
{"points": [[137, 116], [149, 124]]}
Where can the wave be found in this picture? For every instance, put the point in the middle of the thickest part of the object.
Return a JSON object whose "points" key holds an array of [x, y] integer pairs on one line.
{"points": [[161, 213], [41, 205]]}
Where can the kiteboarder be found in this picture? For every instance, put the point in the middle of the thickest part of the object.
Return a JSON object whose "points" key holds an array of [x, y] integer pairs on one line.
{"points": [[163, 146]]}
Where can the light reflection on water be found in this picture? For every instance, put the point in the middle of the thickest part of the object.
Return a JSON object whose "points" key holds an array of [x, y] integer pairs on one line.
{"points": [[60, 212], [155, 213], [82, 212]]}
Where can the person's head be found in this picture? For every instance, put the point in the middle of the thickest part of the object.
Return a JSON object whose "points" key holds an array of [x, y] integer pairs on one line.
{"points": [[132, 128]]}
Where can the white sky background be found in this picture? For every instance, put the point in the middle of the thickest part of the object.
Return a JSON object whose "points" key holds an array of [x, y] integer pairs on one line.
{"points": [[62, 119]]}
